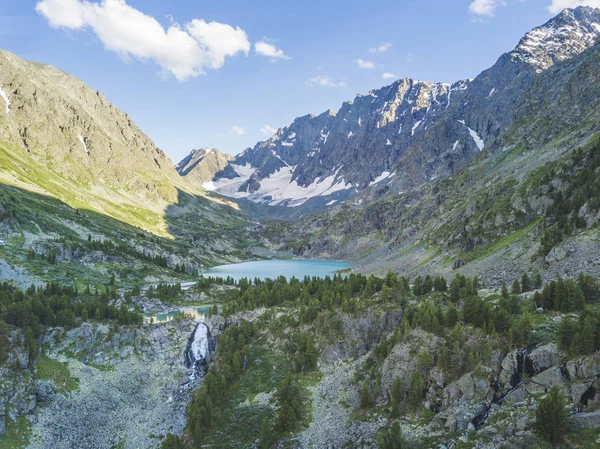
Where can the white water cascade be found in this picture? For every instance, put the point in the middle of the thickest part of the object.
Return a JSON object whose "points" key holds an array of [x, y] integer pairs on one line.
{"points": [[198, 348]]}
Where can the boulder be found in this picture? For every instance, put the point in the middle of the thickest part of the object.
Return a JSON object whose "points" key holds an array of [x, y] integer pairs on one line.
{"points": [[544, 381], [546, 356], [508, 369], [515, 397], [585, 420], [578, 390], [457, 419], [466, 389], [584, 368]]}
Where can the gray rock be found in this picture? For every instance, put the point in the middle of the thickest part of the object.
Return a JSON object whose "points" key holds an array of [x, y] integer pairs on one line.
{"points": [[577, 390], [45, 390], [515, 397], [508, 368], [543, 357], [544, 381], [403, 359], [585, 420]]}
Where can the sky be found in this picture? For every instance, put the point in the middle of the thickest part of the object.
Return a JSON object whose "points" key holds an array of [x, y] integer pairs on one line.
{"points": [[227, 74]]}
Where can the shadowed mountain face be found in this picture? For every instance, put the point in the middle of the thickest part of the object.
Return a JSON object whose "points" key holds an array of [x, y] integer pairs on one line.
{"points": [[411, 131]]}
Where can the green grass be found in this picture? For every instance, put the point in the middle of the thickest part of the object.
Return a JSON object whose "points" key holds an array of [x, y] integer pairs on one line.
{"points": [[51, 369], [17, 433], [583, 438], [486, 251]]}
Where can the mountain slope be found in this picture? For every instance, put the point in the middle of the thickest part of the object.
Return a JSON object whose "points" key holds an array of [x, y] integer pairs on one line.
{"points": [[75, 173], [410, 132], [201, 165], [72, 130]]}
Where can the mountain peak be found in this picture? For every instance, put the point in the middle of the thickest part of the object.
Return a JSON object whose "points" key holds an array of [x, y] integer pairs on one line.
{"points": [[569, 33], [202, 164]]}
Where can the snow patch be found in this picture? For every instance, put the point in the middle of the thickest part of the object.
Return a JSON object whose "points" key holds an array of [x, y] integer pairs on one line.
{"points": [[381, 177], [415, 126], [85, 148], [6, 100], [229, 187], [478, 140]]}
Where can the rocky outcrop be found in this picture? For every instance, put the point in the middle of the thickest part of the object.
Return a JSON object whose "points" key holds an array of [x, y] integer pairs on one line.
{"points": [[403, 359], [201, 166], [469, 388]]}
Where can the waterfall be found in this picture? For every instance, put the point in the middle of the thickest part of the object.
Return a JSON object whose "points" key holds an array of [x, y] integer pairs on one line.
{"points": [[198, 350]]}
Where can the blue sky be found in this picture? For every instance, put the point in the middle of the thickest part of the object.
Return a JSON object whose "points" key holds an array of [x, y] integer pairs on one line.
{"points": [[313, 55]]}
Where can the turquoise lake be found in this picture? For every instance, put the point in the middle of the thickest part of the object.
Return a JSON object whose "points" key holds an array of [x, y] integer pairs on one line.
{"points": [[197, 313], [263, 269]]}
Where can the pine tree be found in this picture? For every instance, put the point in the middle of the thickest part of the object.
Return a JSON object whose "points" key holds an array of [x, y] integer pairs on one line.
{"points": [[418, 286], [551, 417], [427, 285], [525, 283], [171, 442], [397, 394], [587, 344], [417, 386], [364, 394], [516, 287], [392, 438]]}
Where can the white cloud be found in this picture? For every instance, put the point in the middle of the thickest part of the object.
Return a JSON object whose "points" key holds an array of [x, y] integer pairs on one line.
{"points": [[389, 76], [324, 81], [485, 7], [269, 50], [364, 64], [268, 130], [558, 5], [183, 51], [240, 131], [381, 48]]}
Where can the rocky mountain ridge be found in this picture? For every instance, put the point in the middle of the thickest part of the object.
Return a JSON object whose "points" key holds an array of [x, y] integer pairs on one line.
{"points": [[410, 132]]}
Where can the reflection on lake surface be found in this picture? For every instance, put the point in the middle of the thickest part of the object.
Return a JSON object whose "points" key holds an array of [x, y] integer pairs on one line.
{"points": [[197, 313], [263, 269]]}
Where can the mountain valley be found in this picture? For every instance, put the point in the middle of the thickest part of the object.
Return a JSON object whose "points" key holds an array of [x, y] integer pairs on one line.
{"points": [[469, 214]]}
